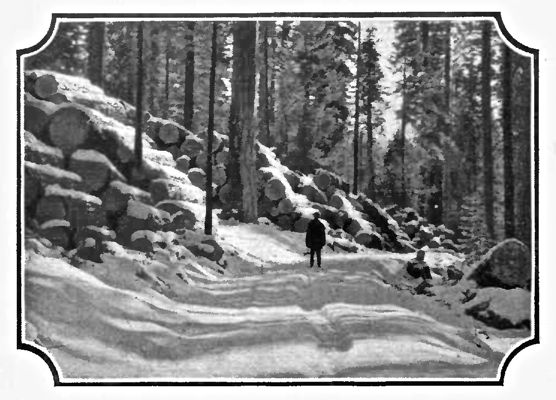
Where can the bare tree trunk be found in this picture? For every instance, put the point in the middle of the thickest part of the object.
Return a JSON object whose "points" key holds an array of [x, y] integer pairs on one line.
{"points": [[264, 122], [402, 136], [356, 125], [487, 130], [242, 125], [139, 100], [189, 76], [509, 216], [96, 52], [210, 134], [167, 80]]}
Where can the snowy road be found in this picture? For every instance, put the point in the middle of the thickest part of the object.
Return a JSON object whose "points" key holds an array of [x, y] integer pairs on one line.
{"points": [[105, 322]]}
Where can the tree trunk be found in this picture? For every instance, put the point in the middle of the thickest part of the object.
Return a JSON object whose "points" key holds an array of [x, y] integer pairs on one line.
{"points": [[241, 167], [356, 125], [167, 80], [210, 134], [370, 159], [139, 99], [152, 69], [96, 51], [403, 196], [509, 225], [264, 123], [189, 76], [521, 104], [487, 130]]}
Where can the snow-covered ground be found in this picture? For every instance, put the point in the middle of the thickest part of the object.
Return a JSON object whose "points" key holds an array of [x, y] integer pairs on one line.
{"points": [[137, 318]]}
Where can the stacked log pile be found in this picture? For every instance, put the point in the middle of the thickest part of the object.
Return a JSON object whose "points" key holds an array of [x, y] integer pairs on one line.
{"points": [[76, 193]]}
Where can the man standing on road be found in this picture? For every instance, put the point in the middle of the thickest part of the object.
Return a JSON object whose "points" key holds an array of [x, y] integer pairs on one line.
{"points": [[315, 239]]}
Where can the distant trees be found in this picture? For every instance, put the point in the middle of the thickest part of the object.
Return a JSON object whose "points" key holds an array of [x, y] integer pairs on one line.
{"points": [[453, 142]]}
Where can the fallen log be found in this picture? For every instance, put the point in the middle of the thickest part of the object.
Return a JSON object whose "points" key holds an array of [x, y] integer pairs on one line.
{"points": [[45, 86], [69, 128], [275, 189]]}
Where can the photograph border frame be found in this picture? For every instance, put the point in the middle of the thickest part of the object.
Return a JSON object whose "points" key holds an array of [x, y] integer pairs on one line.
{"points": [[533, 340]]}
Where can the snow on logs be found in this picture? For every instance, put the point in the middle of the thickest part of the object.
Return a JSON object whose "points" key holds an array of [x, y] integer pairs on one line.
{"points": [[182, 163], [197, 177], [184, 214], [57, 231], [78, 208], [118, 194], [95, 169], [40, 153], [38, 177], [140, 216]]}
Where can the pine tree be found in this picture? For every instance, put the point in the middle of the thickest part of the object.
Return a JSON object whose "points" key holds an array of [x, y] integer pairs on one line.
{"points": [[356, 117], [371, 97], [139, 100], [487, 128], [210, 134], [96, 53], [509, 225], [241, 167], [189, 76]]}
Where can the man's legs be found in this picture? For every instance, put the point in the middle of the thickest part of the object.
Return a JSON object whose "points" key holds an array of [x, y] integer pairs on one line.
{"points": [[313, 258], [318, 257]]}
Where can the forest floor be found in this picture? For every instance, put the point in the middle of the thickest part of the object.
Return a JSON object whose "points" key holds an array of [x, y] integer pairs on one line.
{"points": [[275, 319]]}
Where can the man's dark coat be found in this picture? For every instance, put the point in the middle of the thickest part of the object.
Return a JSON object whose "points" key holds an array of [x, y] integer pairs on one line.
{"points": [[316, 235]]}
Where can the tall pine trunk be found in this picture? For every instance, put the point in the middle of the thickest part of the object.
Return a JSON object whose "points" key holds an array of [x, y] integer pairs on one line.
{"points": [[96, 53], [521, 104], [189, 76], [242, 169], [356, 124], [487, 129], [509, 216], [403, 194], [167, 79], [264, 114], [139, 100], [210, 134]]}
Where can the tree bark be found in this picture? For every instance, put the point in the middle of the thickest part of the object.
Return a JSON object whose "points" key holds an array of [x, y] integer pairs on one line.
{"points": [[264, 123], [403, 199], [210, 134], [356, 125], [167, 80], [96, 51], [139, 99], [487, 129], [189, 76], [509, 216], [241, 166]]}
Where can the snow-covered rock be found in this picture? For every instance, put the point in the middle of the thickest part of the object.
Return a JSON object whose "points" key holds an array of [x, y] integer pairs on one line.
{"points": [[506, 265], [501, 308]]}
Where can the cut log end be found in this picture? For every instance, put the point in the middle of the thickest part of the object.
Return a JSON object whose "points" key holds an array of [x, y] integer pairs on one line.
{"points": [[45, 86], [69, 128]]}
